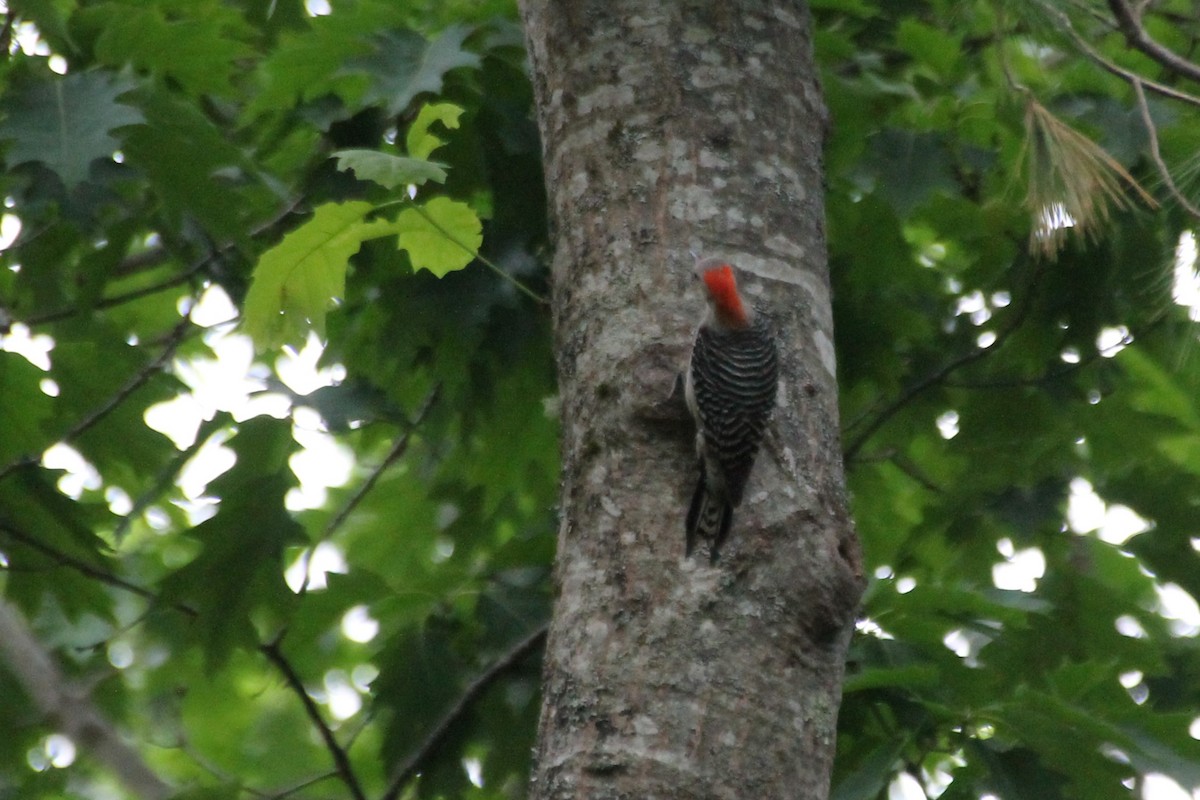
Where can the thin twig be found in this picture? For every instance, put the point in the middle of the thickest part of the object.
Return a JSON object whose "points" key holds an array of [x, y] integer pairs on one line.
{"points": [[340, 759], [6, 33], [906, 465], [939, 376], [911, 393], [1115, 69], [142, 260], [398, 450], [282, 214], [487, 262], [111, 404], [910, 468], [413, 764], [125, 297], [1047, 377], [80, 566], [166, 478], [282, 793], [1130, 23], [1156, 154], [212, 769], [87, 570]]}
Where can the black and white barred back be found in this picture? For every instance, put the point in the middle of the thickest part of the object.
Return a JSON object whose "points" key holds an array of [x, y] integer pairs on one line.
{"points": [[733, 379]]}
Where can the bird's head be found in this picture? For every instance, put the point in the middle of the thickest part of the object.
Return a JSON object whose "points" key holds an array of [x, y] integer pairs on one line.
{"points": [[720, 286]]}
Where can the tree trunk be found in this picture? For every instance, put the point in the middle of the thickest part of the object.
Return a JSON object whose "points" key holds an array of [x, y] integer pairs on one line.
{"points": [[674, 126]]}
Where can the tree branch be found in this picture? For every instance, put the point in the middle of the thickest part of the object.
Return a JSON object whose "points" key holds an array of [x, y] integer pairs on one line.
{"points": [[1115, 69], [910, 468], [411, 766], [68, 707], [1156, 154], [1130, 23], [340, 759], [270, 650], [1039, 381]]}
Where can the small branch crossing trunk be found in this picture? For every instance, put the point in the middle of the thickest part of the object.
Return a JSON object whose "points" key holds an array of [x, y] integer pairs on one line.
{"points": [[669, 127]]}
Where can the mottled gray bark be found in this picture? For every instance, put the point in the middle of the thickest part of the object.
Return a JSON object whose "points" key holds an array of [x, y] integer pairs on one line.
{"points": [[674, 126]]}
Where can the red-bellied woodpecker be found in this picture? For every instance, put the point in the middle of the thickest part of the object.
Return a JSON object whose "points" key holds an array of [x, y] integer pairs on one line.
{"points": [[730, 390]]}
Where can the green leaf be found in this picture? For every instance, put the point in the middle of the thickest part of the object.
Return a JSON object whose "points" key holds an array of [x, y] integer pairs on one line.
{"points": [[405, 64], [350, 403], [236, 716], [441, 236], [1070, 736], [508, 610], [220, 791], [199, 52], [42, 532], [911, 166], [51, 18], [237, 579], [1016, 773], [1156, 391], [27, 408], [119, 445], [309, 63], [388, 170], [870, 775], [318, 616], [914, 675], [419, 679], [296, 281], [66, 122], [932, 46], [420, 142], [195, 167], [1167, 549]]}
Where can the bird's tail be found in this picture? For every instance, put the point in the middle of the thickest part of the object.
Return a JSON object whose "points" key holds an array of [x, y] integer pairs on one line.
{"points": [[709, 518]]}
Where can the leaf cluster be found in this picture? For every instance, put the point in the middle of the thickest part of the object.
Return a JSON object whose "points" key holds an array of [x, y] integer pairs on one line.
{"points": [[164, 159], [1010, 645], [373, 175]]}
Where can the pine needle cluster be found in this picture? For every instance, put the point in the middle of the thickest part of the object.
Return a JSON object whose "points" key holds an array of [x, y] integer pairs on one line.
{"points": [[1073, 183]]}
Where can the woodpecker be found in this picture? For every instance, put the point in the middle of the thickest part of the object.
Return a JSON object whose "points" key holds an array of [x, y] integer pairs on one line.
{"points": [[730, 390]]}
